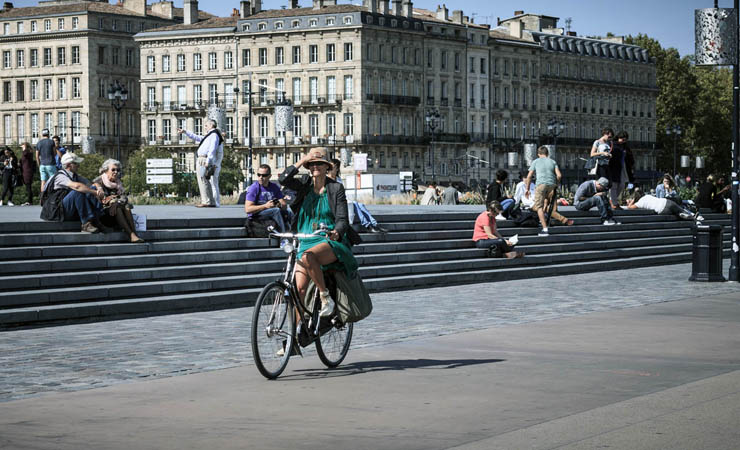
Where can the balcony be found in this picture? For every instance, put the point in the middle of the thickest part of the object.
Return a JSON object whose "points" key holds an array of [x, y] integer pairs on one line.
{"points": [[400, 100], [371, 139], [185, 107], [444, 101], [458, 102], [269, 101], [430, 101]]}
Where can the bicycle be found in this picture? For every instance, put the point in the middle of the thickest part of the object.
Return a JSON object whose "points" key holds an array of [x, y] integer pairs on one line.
{"points": [[278, 312]]}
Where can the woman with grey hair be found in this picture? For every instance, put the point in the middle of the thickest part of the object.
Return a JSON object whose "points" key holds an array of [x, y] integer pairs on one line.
{"points": [[115, 204]]}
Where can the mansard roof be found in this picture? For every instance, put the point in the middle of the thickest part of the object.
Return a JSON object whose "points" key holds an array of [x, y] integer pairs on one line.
{"points": [[86, 7], [590, 47]]}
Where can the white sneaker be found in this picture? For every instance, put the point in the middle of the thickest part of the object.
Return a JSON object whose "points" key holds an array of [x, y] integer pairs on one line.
{"points": [[544, 233], [11, 203], [685, 215], [328, 307], [1, 203], [699, 218], [609, 222]]}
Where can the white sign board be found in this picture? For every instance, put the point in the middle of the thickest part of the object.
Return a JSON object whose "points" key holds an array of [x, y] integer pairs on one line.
{"points": [[159, 179], [163, 162], [159, 171], [360, 161], [385, 185]]}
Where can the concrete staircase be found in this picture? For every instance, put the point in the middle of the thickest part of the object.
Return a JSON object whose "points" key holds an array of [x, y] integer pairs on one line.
{"points": [[53, 274]]}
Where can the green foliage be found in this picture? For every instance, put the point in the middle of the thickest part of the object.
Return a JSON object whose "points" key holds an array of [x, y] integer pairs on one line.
{"points": [[687, 193], [184, 184], [90, 166], [698, 99]]}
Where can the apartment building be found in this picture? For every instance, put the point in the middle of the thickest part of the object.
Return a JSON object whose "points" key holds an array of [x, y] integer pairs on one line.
{"points": [[59, 60], [587, 84]]}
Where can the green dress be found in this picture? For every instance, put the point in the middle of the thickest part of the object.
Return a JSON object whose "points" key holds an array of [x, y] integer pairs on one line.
{"points": [[315, 210]]}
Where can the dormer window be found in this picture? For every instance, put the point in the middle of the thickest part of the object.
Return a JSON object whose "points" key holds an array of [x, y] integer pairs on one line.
{"points": [[330, 21], [313, 22], [369, 19], [405, 24], [47, 25], [347, 20], [296, 24], [245, 27], [381, 21], [262, 26], [394, 23], [442, 31], [278, 25]]}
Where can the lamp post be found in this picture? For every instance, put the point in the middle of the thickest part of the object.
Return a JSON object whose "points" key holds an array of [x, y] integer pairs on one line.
{"points": [[717, 45], [554, 129], [674, 130], [118, 95], [432, 119]]}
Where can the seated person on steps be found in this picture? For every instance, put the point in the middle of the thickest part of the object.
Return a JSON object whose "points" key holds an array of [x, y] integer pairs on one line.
{"points": [[594, 193], [485, 234], [264, 200]]}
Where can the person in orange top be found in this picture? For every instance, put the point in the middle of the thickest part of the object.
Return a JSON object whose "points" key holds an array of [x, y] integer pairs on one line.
{"points": [[485, 234]]}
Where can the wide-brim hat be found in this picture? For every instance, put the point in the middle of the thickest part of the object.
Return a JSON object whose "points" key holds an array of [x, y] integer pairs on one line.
{"points": [[319, 154], [70, 158]]}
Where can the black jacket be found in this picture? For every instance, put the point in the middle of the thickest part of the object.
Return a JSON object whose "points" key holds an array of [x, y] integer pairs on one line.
{"points": [[303, 184], [615, 163], [495, 192]]}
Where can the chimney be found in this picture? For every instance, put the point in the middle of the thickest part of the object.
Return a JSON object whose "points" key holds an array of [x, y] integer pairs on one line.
{"points": [[164, 8], [397, 8], [256, 6], [518, 13], [384, 8], [7, 6], [572, 33], [294, 4], [318, 4], [408, 9], [515, 28], [135, 6], [190, 12], [457, 16], [370, 5], [244, 9], [442, 12]]}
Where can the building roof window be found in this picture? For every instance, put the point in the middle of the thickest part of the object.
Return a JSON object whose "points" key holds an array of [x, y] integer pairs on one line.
{"points": [[296, 24], [330, 20], [245, 27], [262, 26], [313, 22], [347, 20], [278, 25]]}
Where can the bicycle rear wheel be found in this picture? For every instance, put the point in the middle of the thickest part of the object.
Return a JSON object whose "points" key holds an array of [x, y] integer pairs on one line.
{"points": [[333, 345], [273, 328]]}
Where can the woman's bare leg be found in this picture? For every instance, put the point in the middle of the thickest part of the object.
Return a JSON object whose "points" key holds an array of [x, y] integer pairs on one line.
{"points": [[309, 267]]}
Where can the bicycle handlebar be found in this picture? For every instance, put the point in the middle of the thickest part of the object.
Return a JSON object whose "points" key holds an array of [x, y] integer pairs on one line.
{"points": [[322, 229]]}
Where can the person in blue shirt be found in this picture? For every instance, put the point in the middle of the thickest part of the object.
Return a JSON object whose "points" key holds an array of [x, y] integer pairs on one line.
{"points": [[265, 200]]}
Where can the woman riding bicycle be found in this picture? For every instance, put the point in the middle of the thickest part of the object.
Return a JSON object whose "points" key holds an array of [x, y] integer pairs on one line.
{"points": [[319, 199]]}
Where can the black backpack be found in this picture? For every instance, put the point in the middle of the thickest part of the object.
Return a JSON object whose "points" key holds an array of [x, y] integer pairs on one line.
{"points": [[258, 228], [52, 209], [527, 219]]}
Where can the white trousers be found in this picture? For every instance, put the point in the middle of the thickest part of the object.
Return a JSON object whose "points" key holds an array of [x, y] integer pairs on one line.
{"points": [[209, 190]]}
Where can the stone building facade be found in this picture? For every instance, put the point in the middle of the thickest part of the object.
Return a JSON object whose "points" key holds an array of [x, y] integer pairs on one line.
{"points": [[364, 79], [59, 60]]}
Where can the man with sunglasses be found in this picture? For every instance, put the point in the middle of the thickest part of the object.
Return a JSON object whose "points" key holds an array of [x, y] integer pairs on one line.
{"points": [[265, 200]]}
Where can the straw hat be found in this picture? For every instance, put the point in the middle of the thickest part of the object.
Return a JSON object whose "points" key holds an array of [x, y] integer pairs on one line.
{"points": [[319, 154]]}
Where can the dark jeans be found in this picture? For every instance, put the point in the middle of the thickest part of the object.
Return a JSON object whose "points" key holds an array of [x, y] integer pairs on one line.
{"points": [[29, 192], [85, 207], [599, 201], [8, 187], [488, 243]]}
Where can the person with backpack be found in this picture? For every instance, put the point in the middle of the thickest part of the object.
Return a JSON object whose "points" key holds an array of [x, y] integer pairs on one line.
{"points": [[210, 155], [68, 196]]}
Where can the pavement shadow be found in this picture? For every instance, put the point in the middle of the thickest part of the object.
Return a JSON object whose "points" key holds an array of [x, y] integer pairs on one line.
{"points": [[364, 367]]}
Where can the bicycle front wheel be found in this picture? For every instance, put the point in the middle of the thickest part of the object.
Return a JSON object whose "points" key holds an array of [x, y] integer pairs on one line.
{"points": [[273, 328], [333, 345]]}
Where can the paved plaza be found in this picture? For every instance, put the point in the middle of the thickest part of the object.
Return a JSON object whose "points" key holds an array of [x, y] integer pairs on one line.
{"points": [[490, 365]]}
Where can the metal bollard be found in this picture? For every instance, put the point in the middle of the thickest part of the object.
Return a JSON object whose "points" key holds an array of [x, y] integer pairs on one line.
{"points": [[706, 261]]}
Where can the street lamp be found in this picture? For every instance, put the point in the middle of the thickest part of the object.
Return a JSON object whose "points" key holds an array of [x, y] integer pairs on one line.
{"points": [[118, 95], [554, 129], [675, 130], [432, 119]]}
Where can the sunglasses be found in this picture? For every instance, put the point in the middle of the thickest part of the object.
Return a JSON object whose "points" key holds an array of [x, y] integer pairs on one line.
{"points": [[314, 164], [115, 170], [264, 175]]}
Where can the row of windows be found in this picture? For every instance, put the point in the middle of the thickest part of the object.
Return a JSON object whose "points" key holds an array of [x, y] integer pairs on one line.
{"points": [[179, 95], [393, 54], [296, 23], [162, 129], [517, 67], [44, 58], [113, 55], [27, 127], [61, 24], [505, 128], [45, 89], [601, 73]]}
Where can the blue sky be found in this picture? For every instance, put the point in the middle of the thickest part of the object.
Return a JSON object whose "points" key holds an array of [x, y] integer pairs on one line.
{"points": [[669, 21]]}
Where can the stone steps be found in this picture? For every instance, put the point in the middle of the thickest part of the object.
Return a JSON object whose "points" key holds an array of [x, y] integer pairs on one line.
{"points": [[186, 265]]}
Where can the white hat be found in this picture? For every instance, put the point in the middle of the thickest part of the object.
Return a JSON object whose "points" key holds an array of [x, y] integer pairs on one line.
{"points": [[70, 158]]}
